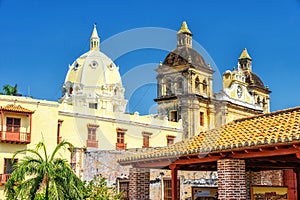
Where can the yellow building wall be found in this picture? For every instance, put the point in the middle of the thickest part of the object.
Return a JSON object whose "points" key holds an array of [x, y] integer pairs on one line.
{"points": [[44, 126], [75, 128]]}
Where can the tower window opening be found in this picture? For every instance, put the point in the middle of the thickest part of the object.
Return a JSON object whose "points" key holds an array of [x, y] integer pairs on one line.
{"points": [[168, 87], [173, 116], [204, 86], [180, 85], [197, 85], [93, 105], [201, 118]]}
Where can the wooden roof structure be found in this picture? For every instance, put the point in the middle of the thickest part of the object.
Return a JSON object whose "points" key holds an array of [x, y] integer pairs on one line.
{"points": [[267, 141]]}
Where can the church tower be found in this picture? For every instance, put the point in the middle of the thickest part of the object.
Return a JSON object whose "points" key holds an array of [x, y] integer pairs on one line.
{"points": [[185, 87], [255, 85], [243, 94]]}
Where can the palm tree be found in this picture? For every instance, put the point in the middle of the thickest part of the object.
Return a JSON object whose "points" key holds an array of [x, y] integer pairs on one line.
{"points": [[10, 90], [43, 176]]}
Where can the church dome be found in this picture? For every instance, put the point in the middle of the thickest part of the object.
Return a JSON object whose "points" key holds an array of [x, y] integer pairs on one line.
{"points": [[253, 80], [93, 80], [95, 69], [184, 55]]}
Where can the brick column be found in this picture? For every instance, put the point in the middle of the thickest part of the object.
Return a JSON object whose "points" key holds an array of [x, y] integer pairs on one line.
{"points": [[231, 179], [139, 181]]}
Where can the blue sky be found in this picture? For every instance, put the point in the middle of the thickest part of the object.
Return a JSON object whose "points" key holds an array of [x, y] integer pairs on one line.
{"points": [[39, 39]]}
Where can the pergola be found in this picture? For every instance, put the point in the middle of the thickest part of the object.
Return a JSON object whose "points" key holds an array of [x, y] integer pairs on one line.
{"points": [[264, 142]]}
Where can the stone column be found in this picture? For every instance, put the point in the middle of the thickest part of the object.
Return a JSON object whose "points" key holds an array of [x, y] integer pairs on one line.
{"points": [[139, 182], [231, 179]]}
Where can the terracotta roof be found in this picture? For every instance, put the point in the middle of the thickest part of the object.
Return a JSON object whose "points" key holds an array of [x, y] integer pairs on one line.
{"points": [[16, 108], [281, 127]]}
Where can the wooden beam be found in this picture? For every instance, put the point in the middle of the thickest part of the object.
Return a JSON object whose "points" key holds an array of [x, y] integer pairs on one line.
{"points": [[159, 165], [267, 153], [197, 160], [173, 167]]}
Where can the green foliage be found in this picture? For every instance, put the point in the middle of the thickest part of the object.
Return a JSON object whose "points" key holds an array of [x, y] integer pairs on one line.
{"points": [[42, 176], [10, 90], [97, 190]]}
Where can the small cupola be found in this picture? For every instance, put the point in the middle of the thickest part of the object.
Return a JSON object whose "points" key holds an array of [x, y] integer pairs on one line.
{"points": [[95, 40], [184, 36], [245, 61]]}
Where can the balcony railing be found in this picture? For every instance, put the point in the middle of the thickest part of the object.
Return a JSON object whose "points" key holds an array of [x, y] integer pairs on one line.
{"points": [[15, 137], [4, 178], [92, 143], [121, 146]]}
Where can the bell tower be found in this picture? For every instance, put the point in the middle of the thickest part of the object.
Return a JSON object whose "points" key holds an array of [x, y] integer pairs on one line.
{"points": [[185, 87]]}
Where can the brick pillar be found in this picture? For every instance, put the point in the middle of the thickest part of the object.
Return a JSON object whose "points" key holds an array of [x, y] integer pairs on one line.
{"points": [[231, 179], [139, 181]]}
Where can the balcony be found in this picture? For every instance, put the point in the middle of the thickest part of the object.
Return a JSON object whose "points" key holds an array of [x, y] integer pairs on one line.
{"points": [[4, 178], [15, 134], [121, 146], [92, 143]]}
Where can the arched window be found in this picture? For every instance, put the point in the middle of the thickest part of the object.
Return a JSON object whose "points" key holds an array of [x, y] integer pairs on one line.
{"points": [[179, 85], [71, 90], [204, 86], [258, 100], [264, 102], [168, 87], [197, 85]]}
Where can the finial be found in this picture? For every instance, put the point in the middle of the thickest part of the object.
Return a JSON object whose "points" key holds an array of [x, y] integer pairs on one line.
{"points": [[245, 54], [95, 40], [208, 65], [184, 28]]}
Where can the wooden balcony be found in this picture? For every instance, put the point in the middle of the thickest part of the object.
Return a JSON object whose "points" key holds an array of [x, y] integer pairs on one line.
{"points": [[15, 137], [4, 178], [121, 146], [92, 143]]}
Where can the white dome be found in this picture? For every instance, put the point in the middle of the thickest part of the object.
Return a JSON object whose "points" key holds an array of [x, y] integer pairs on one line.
{"points": [[94, 81], [93, 69]]}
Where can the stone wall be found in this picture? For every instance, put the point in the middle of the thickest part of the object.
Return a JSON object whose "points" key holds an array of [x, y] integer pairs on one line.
{"points": [[105, 163]]}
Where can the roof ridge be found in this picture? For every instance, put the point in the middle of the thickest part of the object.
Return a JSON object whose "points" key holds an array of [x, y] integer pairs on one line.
{"points": [[265, 114]]}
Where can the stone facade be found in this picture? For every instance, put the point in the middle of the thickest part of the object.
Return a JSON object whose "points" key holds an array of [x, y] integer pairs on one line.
{"points": [[105, 163]]}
